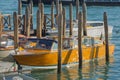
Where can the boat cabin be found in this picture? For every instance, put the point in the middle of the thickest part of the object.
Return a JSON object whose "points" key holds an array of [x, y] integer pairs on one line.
{"points": [[68, 43]]}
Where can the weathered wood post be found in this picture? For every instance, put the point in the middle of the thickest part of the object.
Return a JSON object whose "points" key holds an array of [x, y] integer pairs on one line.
{"points": [[31, 16], [31, 6], [16, 40], [24, 24], [92, 48], [77, 9], [57, 10], [27, 22], [57, 7], [39, 27], [19, 7], [44, 29], [9, 21], [84, 19], [64, 22], [52, 15], [71, 20], [106, 37], [101, 36], [42, 15], [80, 26], [19, 12], [60, 24], [2, 21], [0, 24]]}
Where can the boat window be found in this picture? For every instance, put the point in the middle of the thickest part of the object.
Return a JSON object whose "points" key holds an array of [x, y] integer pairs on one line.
{"points": [[94, 24], [3, 43], [45, 44], [86, 41], [67, 44], [68, 25], [30, 44], [89, 41], [10, 42], [55, 46]]}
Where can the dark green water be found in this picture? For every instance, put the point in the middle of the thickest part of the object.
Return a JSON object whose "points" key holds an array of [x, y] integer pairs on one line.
{"points": [[93, 70]]}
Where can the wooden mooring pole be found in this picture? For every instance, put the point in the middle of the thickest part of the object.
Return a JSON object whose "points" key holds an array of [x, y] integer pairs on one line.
{"points": [[9, 21], [60, 25], [27, 22], [16, 40], [80, 24], [0, 24], [64, 22], [19, 7], [45, 24], [77, 9], [42, 15], [84, 19], [52, 15], [106, 37], [39, 27], [31, 16], [57, 10], [71, 20], [24, 24], [57, 7]]}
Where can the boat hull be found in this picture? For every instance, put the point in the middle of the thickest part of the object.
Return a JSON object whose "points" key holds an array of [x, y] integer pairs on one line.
{"points": [[68, 56], [5, 55]]}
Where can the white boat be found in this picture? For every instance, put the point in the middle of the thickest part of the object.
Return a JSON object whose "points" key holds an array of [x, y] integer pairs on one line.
{"points": [[6, 48], [94, 29]]}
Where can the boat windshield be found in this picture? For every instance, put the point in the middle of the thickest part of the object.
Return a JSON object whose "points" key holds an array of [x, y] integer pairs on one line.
{"points": [[45, 44], [94, 24], [40, 44]]}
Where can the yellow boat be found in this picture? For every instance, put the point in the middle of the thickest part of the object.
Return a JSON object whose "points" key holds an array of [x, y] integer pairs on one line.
{"points": [[45, 53]]}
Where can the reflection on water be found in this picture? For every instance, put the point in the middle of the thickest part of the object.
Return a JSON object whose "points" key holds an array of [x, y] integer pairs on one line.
{"points": [[94, 70]]}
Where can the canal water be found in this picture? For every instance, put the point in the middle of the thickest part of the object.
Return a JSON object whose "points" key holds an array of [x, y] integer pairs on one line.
{"points": [[93, 70]]}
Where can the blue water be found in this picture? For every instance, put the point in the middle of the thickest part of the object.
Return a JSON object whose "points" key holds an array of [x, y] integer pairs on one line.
{"points": [[92, 71]]}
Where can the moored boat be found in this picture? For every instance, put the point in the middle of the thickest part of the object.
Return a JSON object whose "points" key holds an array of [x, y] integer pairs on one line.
{"points": [[94, 29], [6, 48], [44, 53]]}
